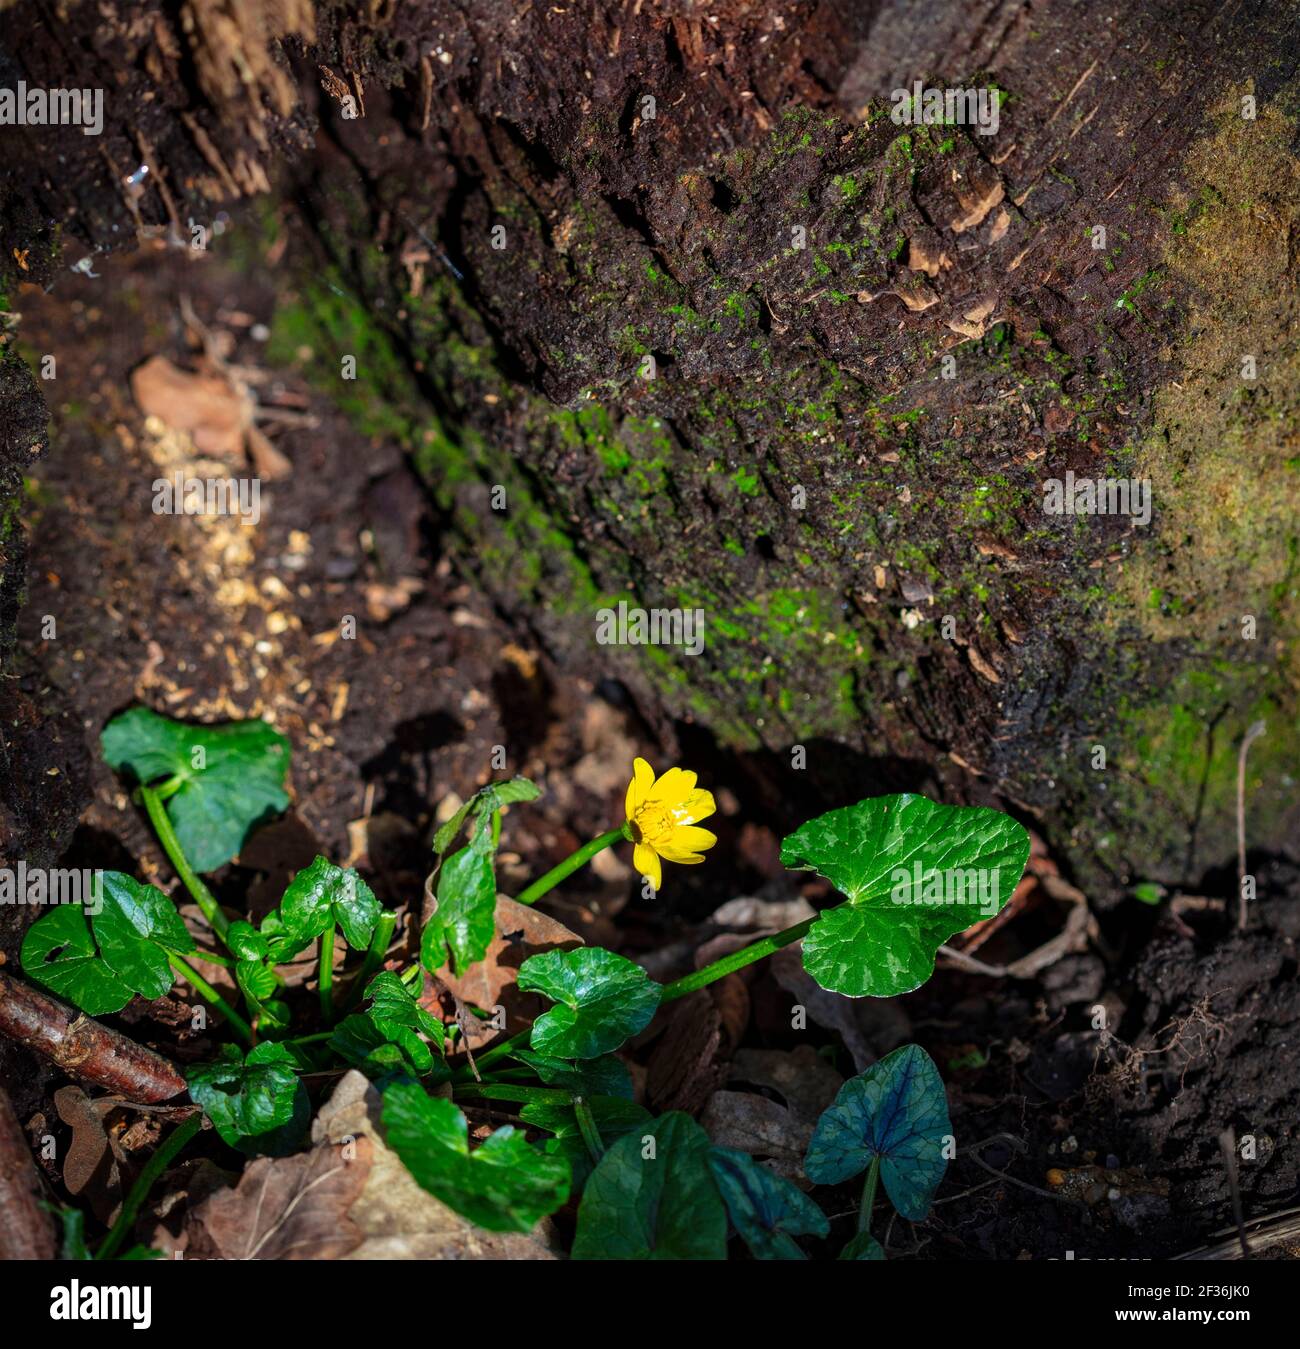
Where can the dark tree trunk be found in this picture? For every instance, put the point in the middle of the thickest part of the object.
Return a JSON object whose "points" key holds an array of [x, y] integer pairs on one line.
{"points": [[507, 230]]}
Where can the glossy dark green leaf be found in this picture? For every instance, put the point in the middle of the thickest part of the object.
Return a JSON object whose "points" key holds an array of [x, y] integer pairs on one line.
{"points": [[393, 1006], [256, 979], [613, 1116], [59, 952], [282, 943], [915, 874], [256, 1102], [766, 1209], [504, 1184], [245, 941], [324, 895], [358, 1041], [896, 1111], [231, 776], [135, 928], [653, 1197], [605, 1076], [464, 923], [604, 999]]}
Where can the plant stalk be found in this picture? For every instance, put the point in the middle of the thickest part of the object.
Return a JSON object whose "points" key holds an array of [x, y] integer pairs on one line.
{"points": [[375, 954], [154, 1168], [587, 1128], [570, 864], [325, 974], [203, 897], [205, 989], [737, 960], [869, 1195]]}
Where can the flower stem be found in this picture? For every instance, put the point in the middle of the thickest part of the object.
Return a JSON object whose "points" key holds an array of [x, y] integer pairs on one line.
{"points": [[325, 976], [154, 1168], [205, 990], [375, 954], [203, 897], [737, 960], [570, 864], [587, 1128], [869, 1195]]}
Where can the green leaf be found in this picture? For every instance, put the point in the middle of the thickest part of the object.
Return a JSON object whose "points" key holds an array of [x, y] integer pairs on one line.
{"points": [[613, 1117], [393, 1006], [135, 928], [896, 1111], [660, 1206], [359, 1041], [605, 1076], [59, 952], [256, 979], [240, 782], [766, 1209], [464, 923], [604, 1000], [504, 1185], [281, 943], [245, 941], [862, 1246], [322, 896], [257, 1103], [915, 874], [484, 801]]}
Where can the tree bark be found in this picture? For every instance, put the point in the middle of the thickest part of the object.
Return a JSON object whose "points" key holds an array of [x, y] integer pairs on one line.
{"points": [[667, 307]]}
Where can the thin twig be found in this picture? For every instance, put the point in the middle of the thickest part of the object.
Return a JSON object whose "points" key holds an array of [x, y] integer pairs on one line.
{"points": [[1228, 1146]]}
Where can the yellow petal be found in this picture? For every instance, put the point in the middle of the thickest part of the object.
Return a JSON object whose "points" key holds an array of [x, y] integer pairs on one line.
{"points": [[673, 788], [683, 844], [638, 789], [646, 861], [699, 805]]}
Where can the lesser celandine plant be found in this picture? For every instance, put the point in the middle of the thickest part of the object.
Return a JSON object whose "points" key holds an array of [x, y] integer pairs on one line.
{"points": [[911, 874]]}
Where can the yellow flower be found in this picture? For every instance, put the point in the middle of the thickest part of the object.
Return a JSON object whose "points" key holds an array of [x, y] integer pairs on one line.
{"points": [[661, 817]]}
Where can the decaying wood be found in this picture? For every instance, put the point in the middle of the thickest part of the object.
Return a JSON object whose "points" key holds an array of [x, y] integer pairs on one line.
{"points": [[26, 1231], [83, 1047]]}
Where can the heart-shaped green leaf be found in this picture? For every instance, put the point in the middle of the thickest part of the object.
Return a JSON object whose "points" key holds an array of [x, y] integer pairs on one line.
{"points": [[505, 1184], [231, 776], [896, 1111], [245, 941], [604, 1000], [464, 923], [484, 801], [322, 896], [653, 1197], [766, 1209], [59, 952], [256, 1103], [915, 874], [359, 1041], [135, 928]]}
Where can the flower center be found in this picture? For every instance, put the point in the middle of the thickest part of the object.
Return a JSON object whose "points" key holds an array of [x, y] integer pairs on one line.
{"points": [[651, 822]]}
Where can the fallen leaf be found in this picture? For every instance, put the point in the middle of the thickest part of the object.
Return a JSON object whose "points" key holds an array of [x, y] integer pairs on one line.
{"points": [[205, 406], [286, 1208]]}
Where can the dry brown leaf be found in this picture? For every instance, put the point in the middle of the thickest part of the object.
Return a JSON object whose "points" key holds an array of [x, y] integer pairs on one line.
{"points": [[776, 1130], [205, 406], [521, 931], [683, 1069], [285, 1208], [397, 1219]]}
